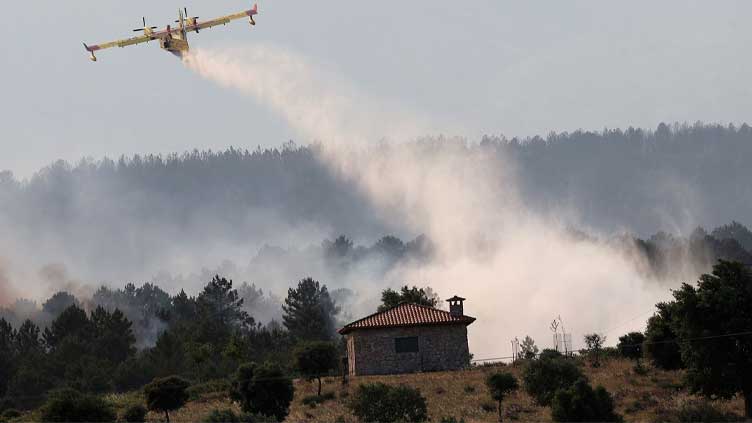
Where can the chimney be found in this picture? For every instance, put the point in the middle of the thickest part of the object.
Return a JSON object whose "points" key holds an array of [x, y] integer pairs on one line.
{"points": [[455, 306]]}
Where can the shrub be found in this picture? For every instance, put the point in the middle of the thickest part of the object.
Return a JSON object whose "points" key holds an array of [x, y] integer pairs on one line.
{"points": [[263, 389], [660, 346], [469, 389], [9, 414], [312, 400], [452, 419], [222, 416], [488, 407], [581, 403], [528, 349], [544, 376], [166, 394], [500, 385], [704, 411], [594, 342], [135, 413], [69, 405], [639, 368], [217, 386], [229, 416], [630, 345], [549, 354], [378, 402], [316, 359], [133, 374]]}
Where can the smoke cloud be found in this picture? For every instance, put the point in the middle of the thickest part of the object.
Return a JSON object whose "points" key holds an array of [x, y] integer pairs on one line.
{"points": [[5, 293], [518, 267]]}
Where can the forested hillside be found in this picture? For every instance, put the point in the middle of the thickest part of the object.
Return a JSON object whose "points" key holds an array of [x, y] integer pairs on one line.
{"points": [[134, 217]]}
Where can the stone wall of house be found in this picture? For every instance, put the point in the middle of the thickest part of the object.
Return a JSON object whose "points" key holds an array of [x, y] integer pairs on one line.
{"points": [[373, 352]]}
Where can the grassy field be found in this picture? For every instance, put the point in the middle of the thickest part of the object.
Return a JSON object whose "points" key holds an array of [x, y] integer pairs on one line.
{"points": [[655, 396]]}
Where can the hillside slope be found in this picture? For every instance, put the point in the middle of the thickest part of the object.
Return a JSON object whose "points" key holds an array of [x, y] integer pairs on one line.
{"points": [[655, 396]]}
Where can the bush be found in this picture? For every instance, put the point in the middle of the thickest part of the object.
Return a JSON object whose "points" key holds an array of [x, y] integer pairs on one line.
{"points": [[263, 389], [630, 345], [217, 386], [135, 413], [222, 416], [378, 402], [500, 385], [316, 359], [133, 374], [229, 416], [312, 400], [580, 403], [594, 342], [544, 376], [660, 346], [549, 354], [9, 414], [166, 394], [452, 419], [704, 411], [69, 405]]}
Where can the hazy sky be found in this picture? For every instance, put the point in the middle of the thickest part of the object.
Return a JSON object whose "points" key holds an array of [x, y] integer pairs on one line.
{"points": [[518, 68]]}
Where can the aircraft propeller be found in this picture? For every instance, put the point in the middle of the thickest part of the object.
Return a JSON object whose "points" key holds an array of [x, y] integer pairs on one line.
{"points": [[144, 28]]}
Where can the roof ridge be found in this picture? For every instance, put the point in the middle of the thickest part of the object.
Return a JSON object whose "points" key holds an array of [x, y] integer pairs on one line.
{"points": [[430, 315]]}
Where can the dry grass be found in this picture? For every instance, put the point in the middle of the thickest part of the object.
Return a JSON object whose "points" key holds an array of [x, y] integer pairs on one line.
{"points": [[652, 397]]}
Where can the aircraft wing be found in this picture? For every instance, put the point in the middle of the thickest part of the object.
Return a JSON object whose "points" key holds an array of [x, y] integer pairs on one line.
{"points": [[121, 43], [223, 20], [133, 40]]}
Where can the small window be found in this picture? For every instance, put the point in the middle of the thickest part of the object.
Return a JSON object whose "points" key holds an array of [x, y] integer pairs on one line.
{"points": [[406, 345]]}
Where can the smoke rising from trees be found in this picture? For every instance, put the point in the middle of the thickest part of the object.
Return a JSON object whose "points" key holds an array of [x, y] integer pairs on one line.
{"points": [[512, 262], [496, 216]]}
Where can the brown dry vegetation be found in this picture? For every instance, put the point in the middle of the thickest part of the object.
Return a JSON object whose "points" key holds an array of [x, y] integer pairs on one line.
{"points": [[652, 397]]}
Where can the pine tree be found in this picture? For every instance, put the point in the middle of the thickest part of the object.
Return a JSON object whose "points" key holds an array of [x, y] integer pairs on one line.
{"points": [[309, 311]]}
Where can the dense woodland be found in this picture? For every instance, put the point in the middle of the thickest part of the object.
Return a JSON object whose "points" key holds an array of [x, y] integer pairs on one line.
{"points": [[138, 212], [210, 342], [134, 212]]}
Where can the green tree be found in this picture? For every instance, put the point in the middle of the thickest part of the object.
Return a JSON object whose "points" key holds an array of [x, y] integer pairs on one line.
{"points": [[220, 311], [135, 413], [166, 394], [378, 402], [7, 354], [71, 322], [736, 231], [581, 403], [660, 345], [69, 405], [27, 340], [58, 303], [316, 359], [114, 338], [422, 296], [500, 385], [309, 312], [528, 349], [263, 389], [594, 343], [720, 305], [630, 345], [545, 375]]}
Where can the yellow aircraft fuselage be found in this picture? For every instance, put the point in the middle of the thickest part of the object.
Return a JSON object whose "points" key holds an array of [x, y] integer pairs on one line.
{"points": [[174, 40]]}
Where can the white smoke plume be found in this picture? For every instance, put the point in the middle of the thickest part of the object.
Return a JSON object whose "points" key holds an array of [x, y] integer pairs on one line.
{"points": [[517, 269]]}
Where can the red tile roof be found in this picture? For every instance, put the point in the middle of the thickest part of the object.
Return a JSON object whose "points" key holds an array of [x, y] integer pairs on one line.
{"points": [[407, 314]]}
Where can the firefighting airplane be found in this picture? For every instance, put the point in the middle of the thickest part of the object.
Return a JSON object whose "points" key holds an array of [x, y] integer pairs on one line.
{"points": [[174, 40]]}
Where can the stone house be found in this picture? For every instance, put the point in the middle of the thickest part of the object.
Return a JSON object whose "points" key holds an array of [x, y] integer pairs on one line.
{"points": [[408, 338]]}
